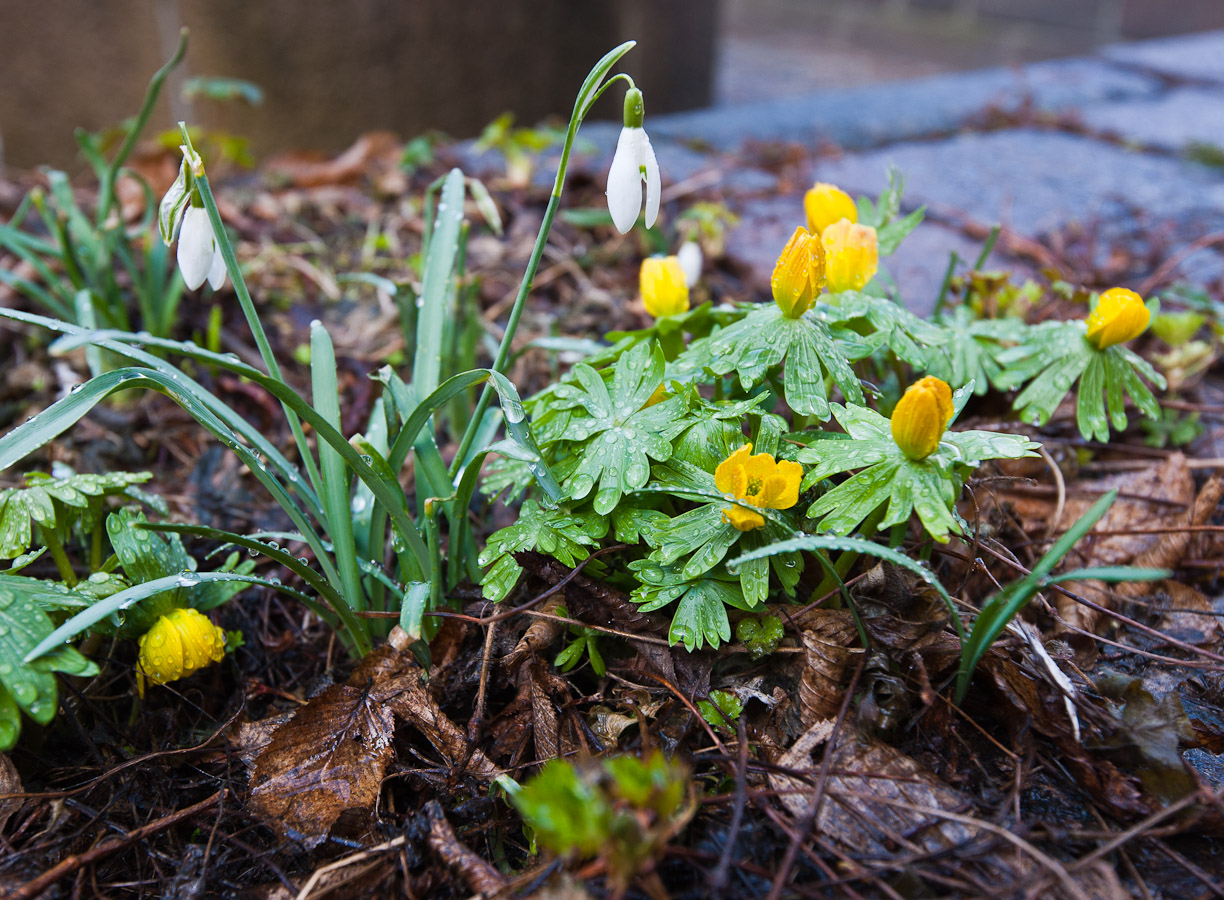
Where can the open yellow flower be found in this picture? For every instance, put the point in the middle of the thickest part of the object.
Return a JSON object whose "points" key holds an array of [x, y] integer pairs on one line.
{"points": [[799, 274], [852, 255], [181, 642], [921, 417], [825, 204], [1119, 317], [664, 286], [759, 481]]}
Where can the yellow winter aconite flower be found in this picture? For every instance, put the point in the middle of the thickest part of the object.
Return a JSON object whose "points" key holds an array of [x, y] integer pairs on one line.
{"points": [[664, 287], [181, 642], [852, 255], [757, 480], [921, 417], [1119, 316], [799, 274], [825, 204]]}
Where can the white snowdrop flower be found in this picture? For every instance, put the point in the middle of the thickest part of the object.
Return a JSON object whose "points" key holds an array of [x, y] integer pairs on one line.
{"points": [[633, 163], [689, 255], [199, 256]]}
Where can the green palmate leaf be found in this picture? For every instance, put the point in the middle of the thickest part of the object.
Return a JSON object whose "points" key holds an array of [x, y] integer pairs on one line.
{"points": [[810, 349], [701, 614], [562, 535], [147, 556], [1057, 354], [970, 349], [716, 431], [825, 544], [29, 687], [621, 433], [929, 486], [53, 503], [904, 333]]}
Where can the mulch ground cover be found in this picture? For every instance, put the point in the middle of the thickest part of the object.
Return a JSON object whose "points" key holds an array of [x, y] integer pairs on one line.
{"points": [[1085, 763]]}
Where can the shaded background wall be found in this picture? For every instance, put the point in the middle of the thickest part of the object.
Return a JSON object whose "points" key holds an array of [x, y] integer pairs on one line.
{"points": [[332, 69]]}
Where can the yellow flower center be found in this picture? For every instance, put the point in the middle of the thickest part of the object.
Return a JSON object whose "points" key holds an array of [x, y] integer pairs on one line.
{"points": [[759, 481]]}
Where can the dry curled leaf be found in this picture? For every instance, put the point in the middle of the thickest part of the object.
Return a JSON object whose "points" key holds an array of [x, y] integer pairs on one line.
{"points": [[10, 783], [827, 637], [329, 758]]}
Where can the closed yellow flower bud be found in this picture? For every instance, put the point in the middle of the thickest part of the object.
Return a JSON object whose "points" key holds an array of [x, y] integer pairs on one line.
{"points": [[1119, 316], [664, 288], [181, 642], [825, 204], [921, 417], [759, 481], [799, 274], [852, 255]]}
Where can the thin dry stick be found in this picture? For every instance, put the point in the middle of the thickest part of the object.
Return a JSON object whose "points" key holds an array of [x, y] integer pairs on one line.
{"points": [[1056, 869], [70, 864], [718, 882], [809, 817], [347, 861]]}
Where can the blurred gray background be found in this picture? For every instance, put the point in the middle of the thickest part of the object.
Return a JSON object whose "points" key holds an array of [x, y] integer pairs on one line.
{"points": [[332, 70]]}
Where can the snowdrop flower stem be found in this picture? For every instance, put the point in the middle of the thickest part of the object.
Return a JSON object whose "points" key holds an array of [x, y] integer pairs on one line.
{"points": [[248, 305], [592, 88]]}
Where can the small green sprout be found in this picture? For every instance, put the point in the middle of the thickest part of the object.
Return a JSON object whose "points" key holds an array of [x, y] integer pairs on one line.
{"points": [[722, 710], [761, 636]]}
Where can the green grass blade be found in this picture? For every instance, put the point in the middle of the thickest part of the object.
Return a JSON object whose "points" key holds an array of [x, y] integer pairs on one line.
{"points": [[335, 484], [386, 489], [440, 263], [66, 412], [122, 600], [1003, 607], [826, 543], [117, 342], [336, 608]]}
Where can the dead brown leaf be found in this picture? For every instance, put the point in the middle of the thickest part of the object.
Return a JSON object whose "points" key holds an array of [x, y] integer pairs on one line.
{"points": [[10, 783], [301, 171], [329, 758], [827, 637]]}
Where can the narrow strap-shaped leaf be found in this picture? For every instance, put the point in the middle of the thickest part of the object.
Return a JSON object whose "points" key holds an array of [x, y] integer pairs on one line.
{"points": [[815, 543], [439, 264], [122, 600], [335, 476]]}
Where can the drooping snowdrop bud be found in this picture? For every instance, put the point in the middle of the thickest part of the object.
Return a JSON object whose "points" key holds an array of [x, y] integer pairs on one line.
{"points": [[689, 255], [199, 256], [633, 163]]}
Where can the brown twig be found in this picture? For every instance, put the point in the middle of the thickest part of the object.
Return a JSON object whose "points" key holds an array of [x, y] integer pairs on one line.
{"points": [[70, 864]]}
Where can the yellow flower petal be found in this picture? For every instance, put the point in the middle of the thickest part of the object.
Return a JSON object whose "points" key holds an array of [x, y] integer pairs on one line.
{"points": [[1119, 316], [743, 519], [852, 255], [181, 642], [730, 472], [757, 480], [825, 204], [790, 474], [921, 417], [664, 287], [799, 274]]}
